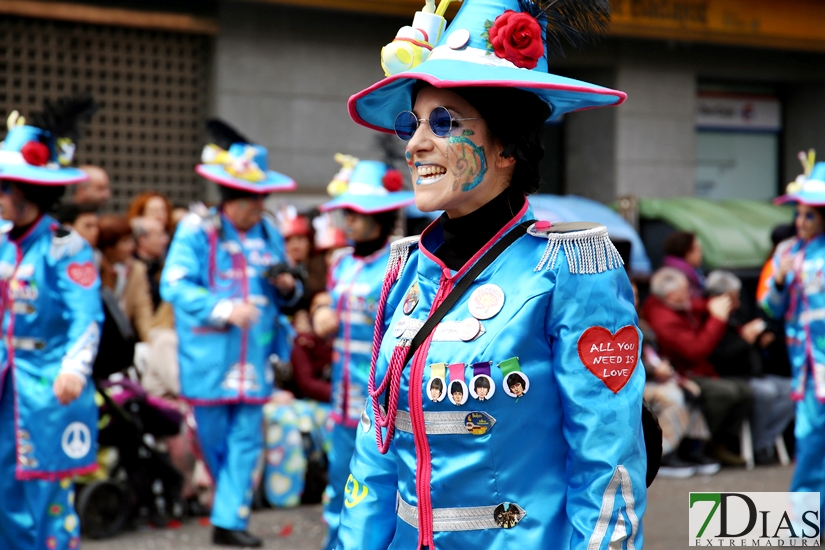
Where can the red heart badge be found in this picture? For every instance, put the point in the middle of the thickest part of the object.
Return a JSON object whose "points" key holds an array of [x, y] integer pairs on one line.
{"points": [[83, 274], [611, 357]]}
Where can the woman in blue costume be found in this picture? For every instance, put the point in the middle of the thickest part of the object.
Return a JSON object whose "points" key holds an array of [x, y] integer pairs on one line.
{"points": [[369, 194], [796, 292], [553, 454], [51, 328]]}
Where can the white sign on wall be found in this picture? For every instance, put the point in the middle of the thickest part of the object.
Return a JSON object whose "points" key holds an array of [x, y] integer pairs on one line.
{"points": [[738, 113]]}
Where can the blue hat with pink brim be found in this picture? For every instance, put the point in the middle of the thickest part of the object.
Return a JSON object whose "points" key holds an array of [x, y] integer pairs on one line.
{"points": [[367, 187], [809, 187], [232, 161], [490, 43], [41, 151]]}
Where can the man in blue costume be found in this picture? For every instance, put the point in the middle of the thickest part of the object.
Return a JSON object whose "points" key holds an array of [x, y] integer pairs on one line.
{"points": [[51, 328], [369, 195], [225, 280]]}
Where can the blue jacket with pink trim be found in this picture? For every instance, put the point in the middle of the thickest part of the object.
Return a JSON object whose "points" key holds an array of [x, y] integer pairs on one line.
{"points": [[52, 315], [518, 420], [210, 267], [801, 301], [355, 286]]}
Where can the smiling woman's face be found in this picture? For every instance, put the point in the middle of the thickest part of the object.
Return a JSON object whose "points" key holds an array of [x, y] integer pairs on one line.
{"points": [[461, 172]]}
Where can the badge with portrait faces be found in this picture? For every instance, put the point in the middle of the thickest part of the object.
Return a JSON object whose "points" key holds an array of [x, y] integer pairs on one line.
{"points": [[458, 391], [515, 383], [437, 386]]}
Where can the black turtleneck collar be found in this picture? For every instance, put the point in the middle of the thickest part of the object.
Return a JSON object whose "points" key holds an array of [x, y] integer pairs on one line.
{"points": [[19, 230], [364, 249], [465, 236]]}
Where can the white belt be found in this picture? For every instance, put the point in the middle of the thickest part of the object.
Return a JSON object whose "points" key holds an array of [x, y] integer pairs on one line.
{"points": [[441, 423], [27, 344], [498, 516]]}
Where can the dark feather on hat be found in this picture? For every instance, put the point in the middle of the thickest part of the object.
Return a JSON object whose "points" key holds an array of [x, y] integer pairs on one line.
{"points": [[62, 117], [222, 134], [575, 22]]}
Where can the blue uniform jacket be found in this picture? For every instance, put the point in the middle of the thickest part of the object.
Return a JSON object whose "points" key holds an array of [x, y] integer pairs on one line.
{"points": [[211, 266], [802, 303], [551, 458], [355, 286], [52, 315]]}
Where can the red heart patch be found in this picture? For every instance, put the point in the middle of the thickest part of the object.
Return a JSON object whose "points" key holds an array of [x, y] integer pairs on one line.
{"points": [[83, 274], [611, 357]]}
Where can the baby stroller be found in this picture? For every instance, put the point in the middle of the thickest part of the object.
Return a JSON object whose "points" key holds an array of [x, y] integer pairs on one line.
{"points": [[141, 484]]}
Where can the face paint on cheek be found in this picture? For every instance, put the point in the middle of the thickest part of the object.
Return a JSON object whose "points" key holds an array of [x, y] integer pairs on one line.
{"points": [[408, 156], [467, 162]]}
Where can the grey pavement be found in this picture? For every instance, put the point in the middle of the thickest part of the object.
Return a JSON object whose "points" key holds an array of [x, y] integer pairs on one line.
{"points": [[665, 522]]}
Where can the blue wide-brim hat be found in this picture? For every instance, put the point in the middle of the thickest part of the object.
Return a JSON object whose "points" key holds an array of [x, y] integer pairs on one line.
{"points": [[16, 166], [809, 191], [464, 56], [242, 165], [366, 192]]}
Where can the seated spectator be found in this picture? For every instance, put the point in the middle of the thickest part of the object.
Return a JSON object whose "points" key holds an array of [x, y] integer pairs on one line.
{"points": [[151, 244], [151, 204], [82, 218], [312, 361], [683, 251], [122, 274], [674, 400], [688, 331], [739, 354]]}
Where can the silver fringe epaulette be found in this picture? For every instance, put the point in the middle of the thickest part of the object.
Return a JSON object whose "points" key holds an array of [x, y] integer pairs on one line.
{"points": [[587, 246], [65, 243], [199, 216], [399, 252]]}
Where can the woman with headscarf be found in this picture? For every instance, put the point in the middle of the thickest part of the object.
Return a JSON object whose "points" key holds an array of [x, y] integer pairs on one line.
{"points": [[555, 457]]}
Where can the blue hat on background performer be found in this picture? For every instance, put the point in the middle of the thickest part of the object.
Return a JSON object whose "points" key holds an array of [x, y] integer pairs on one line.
{"points": [[370, 194], [809, 186], [238, 166], [36, 155]]}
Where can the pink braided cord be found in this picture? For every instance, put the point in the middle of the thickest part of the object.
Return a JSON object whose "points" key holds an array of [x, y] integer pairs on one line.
{"points": [[393, 376]]}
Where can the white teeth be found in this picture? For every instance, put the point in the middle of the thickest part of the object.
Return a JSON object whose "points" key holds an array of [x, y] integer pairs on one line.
{"points": [[431, 170]]}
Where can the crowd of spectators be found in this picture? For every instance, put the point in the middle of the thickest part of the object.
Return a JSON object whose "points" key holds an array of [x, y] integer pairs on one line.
{"points": [[710, 378]]}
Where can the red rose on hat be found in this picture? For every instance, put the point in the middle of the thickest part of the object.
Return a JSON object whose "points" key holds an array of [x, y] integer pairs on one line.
{"points": [[393, 181], [35, 153], [516, 37]]}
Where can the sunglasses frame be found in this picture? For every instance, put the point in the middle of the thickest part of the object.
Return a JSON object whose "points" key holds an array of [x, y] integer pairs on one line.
{"points": [[429, 121]]}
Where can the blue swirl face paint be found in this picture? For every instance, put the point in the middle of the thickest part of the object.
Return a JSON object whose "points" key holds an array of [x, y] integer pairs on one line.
{"points": [[467, 161]]}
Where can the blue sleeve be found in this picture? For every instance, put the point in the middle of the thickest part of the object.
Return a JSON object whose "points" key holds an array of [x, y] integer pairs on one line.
{"points": [[183, 282], [775, 301], [277, 242], [78, 285], [367, 518], [606, 462]]}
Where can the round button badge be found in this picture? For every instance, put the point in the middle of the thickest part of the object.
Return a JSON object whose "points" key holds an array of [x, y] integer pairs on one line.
{"points": [[458, 39], [486, 301], [469, 329]]}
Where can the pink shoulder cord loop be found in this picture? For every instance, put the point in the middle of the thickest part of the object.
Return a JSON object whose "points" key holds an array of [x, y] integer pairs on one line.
{"points": [[393, 372]]}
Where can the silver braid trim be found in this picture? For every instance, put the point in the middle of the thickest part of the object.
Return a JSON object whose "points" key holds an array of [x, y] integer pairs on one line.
{"points": [[588, 252], [399, 253]]}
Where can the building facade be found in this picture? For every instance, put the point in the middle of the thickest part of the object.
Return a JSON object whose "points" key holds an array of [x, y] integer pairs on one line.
{"points": [[722, 94]]}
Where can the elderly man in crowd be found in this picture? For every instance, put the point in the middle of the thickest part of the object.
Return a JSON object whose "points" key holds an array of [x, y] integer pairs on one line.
{"points": [[739, 354], [688, 331], [95, 191], [151, 244]]}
